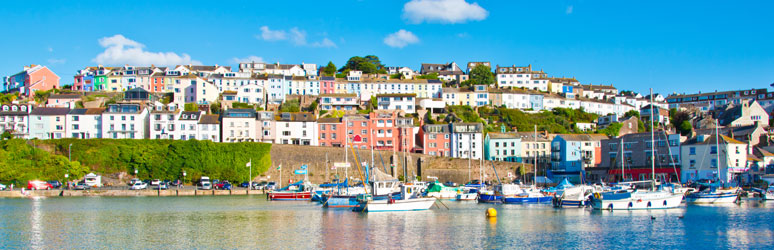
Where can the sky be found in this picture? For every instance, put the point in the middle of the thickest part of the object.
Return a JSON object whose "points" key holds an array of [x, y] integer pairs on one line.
{"points": [[670, 46]]}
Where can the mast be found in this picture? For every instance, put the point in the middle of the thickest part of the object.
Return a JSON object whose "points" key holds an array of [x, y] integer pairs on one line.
{"points": [[534, 165], [652, 142], [346, 148], [470, 148], [623, 158], [717, 147]]}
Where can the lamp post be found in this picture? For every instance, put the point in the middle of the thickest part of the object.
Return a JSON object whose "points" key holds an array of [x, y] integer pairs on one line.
{"points": [[181, 183], [69, 150], [135, 173], [67, 180]]}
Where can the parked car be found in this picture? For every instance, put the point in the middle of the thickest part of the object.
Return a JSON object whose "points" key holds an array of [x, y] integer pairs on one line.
{"points": [[82, 186], [244, 184], [139, 185], [55, 184], [260, 185], [155, 182], [270, 186], [133, 181], [205, 185], [36, 185], [223, 185], [3, 187], [162, 186]]}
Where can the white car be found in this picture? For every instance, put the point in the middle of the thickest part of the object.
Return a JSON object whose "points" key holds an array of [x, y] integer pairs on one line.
{"points": [[205, 185], [155, 182], [2, 187], [139, 185]]}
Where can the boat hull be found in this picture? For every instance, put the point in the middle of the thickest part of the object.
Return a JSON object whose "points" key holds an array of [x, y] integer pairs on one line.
{"points": [[442, 194], [570, 203], [520, 200], [415, 204], [467, 197], [698, 198], [290, 196], [661, 202], [341, 202], [489, 198]]}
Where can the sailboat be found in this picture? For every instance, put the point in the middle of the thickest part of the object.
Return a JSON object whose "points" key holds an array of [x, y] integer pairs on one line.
{"points": [[299, 191], [631, 198], [530, 194], [714, 193], [568, 195]]}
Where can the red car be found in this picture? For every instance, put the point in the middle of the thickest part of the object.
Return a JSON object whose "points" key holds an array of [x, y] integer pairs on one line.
{"points": [[36, 185]]}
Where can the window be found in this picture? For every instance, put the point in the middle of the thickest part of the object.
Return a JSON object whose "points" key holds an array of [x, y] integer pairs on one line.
{"points": [[692, 151], [714, 150], [286, 133], [714, 163], [75, 118], [693, 163]]}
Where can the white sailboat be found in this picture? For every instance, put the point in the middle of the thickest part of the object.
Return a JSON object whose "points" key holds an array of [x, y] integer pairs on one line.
{"points": [[629, 199]]}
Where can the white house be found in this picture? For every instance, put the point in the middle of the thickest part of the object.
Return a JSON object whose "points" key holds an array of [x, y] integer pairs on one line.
{"points": [[187, 124], [162, 121], [209, 128], [48, 123], [521, 77], [14, 119], [338, 102], [84, 123], [296, 128], [238, 125], [402, 102], [467, 140], [700, 157], [125, 121]]}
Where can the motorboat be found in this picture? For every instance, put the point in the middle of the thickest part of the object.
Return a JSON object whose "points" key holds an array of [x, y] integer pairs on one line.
{"points": [[410, 200]]}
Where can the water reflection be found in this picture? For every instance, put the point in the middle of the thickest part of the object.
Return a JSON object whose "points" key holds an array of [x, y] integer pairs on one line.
{"points": [[252, 222]]}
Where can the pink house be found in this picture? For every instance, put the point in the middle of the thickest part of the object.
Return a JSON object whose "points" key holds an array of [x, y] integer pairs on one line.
{"points": [[32, 78], [331, 132], [327, 84]]}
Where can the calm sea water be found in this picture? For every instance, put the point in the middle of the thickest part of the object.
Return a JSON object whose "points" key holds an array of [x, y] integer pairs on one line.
{"points": [[249, 222]]}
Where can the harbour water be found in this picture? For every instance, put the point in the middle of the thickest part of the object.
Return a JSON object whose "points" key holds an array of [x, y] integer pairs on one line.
{"points": [[250, 222]]}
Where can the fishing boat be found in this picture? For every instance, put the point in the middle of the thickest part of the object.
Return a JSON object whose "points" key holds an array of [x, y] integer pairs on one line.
{"points": [[713, 193], [569, 195], [299, 191], [769, 195], [515, 194], [440, 191], [409, 200], [469, 192], [632, 198]]}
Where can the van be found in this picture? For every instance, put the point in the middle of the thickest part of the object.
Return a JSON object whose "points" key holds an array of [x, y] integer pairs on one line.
{"points": [[204, 183]]}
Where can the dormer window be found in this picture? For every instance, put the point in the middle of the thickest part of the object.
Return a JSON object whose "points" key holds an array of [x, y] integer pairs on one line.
{"points": [[13, 108], [5, 108], [185, 116], [24, 108]]}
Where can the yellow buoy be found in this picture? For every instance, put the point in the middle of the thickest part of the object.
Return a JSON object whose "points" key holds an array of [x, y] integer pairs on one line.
{"points": [[491, 212]]}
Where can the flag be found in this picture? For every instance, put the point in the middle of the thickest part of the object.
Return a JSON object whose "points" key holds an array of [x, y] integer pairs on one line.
{"points": [[248, 164], [279, 167]]}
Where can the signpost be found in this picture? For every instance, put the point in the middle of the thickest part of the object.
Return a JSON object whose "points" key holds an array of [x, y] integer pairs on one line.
{"points": [[300, 171]]}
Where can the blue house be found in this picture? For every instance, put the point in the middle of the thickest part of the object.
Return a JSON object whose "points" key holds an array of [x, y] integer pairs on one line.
{"points": [[502, 146], [571, 154]]}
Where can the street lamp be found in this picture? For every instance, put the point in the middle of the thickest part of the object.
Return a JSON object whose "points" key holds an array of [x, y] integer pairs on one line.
{"points": [[181, 183], [135, 173], [67, 180]]}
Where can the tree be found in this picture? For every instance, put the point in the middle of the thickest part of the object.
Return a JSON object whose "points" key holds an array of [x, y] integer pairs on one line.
{"points": [[631, 113], [481, 74], [431, 76], [313, 106], [685, 128], [374, 103], [612, 130], [6, 135], [291, 106], [191, 107], [330, 69], [215, 108], [369, 65], [396, 76]]}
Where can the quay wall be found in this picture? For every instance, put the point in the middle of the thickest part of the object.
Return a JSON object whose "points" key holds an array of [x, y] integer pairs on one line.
{"points": [[291, 157]]}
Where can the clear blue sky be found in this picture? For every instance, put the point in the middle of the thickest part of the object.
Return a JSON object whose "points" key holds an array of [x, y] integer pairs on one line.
{"points": [[682, 46]]}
